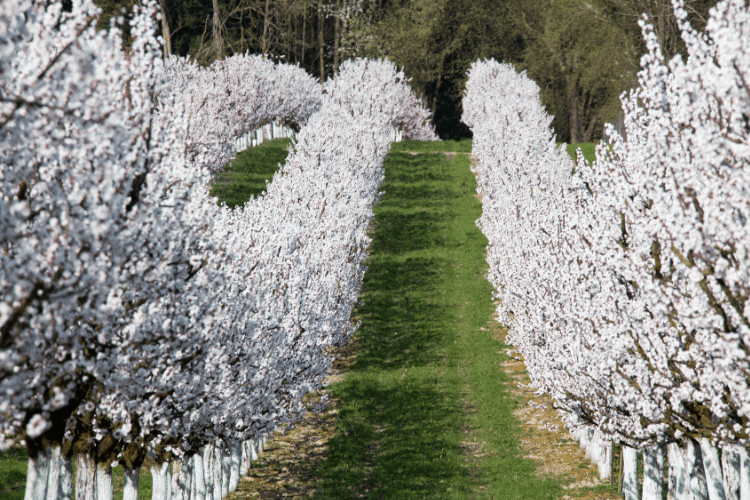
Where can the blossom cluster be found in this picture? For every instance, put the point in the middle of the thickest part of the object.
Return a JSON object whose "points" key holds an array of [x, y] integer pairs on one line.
{"points": [[625, 282], [137, 315]]}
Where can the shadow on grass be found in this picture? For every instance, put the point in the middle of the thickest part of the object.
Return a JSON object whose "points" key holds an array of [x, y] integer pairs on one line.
{"points": [[247, 174], [397, 439], [400, 421], [423, 411], [13, 473]]}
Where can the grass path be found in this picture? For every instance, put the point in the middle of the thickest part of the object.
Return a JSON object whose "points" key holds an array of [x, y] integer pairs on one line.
{"points": [[425, 412]]}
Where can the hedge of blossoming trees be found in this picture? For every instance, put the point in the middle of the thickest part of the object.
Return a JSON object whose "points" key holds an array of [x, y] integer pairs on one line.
{"points": [[625, 283], [138, 318]]}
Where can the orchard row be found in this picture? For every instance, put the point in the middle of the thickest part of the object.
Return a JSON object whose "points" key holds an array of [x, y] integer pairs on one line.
{"points": [[626, 283], [139, 318]]}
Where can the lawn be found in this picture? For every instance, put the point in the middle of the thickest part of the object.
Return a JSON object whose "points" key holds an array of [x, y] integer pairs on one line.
{"points": [[424, 412]]}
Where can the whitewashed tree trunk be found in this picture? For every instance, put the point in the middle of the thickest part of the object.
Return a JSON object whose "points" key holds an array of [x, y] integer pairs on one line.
{"points": [[586, 435], [132, 481], [159, 481], [226, 467], [235, 463], [216, 469], [85, 477], [53, 476], [744, 473], [245, 461], [744, 458], [104, 481], [253, 452], [694, 467], [630, 473], [66, 479], [730, 469], [712, 469], [169, 481], [653, 472], [592, 446], [37, 473], [677, 479], [199, 477], [181, 479], [208, 470], [605, 463]]}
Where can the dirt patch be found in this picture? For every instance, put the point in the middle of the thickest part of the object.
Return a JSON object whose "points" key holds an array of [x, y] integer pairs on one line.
{"points": [[287, 468], [546, 440]]}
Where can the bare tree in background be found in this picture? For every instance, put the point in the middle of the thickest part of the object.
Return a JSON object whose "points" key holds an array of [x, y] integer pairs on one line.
{"points": [[661, 15], [166, 33], [218, 40], [337, 38], [321, 40]]}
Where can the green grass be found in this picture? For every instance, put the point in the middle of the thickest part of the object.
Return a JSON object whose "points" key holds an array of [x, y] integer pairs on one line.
{"points": [[462, 146], [587, 148], [247, 174], [13, 473], [426, 384]]}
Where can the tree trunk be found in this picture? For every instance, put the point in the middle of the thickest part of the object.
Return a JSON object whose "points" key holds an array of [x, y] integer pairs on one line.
{"points": [[264, 41], [304, 36], [605, 459], [653, 472], [181, 478], [437, 88], [574, 108], [236, 464], [337, 39], [217, 470], [218, 41], [694, 466], [208, 470], [160, 480], [132, 481], [226, 465], [104, 481], [55, 469], [712, 468], [245, 459], [677, 482], [630, 473], [589, 130], [321, 41], [85, 477], [199, 477], [744, 473], [37, 474], [730, 468], [66, 479], [165, 31]]}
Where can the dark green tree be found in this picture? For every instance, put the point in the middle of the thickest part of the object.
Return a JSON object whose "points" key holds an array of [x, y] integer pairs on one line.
{"points": [[582, 61]]}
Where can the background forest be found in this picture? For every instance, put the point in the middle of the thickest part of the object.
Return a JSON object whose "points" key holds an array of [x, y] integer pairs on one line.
{"points": [[582, 53]]}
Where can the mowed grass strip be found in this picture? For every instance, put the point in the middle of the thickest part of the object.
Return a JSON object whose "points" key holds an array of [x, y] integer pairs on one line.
{"points": [[424, 413]]}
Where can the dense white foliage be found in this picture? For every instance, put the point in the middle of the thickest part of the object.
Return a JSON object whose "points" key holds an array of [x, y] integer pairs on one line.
{"points": [[625, 283], [138, 315]]}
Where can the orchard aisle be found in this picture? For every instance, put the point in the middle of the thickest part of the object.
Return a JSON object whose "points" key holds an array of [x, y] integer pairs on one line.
{"points": [[425, 408]]}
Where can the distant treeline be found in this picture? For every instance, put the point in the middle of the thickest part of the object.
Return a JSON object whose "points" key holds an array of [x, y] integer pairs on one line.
{"points": [[582, 53]]}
